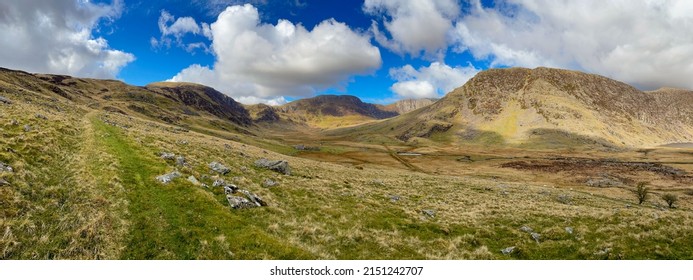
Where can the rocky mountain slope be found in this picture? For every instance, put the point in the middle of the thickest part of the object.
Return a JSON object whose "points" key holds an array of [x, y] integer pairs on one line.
{"points": [[329, 111], [547, 107], [408, 105]]}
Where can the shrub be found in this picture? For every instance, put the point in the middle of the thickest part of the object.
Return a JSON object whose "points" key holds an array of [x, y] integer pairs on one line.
{"points": [[642, 192], [670, 199]]}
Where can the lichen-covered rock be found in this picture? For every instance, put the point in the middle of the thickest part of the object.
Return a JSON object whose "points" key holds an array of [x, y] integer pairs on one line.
{"points": [[237, 202], [5, 100], [220, 168], [4, 167], [508, 250], [253, 198], [194, 180], [180, 161], [167, 156], [280, 166], [230, 188], [267, 183], [167, 178]]}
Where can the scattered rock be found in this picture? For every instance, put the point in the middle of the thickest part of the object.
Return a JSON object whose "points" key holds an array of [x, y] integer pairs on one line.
{"points": [[3, 182], [182, 142], [280, 166], [180, 161], [429, 212], [302, 147], [378, 182], [4, 167], [218, 182], [167, 156], [230, 188], [267, 183], [526, 229], [395, 198], [603, 182], [569, 230], [39, 116], [27, 128], [508, 250], [166, 178], [253, 198], [14, 122], [5, 100], [535, 236], [603, 251], [237, 202], [194, 180], [218, 167]]}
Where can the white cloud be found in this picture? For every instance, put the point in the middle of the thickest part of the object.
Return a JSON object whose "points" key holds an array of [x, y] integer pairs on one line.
{"points": [[169, 27], [414, 26], [645, 43], [430, 82], [265, 61], [57, 37]]}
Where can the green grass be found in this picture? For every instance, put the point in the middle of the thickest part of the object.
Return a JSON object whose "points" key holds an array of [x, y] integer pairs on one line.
{"points": [[181, 221]]}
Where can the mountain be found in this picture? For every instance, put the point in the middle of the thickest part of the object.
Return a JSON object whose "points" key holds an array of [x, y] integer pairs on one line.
{"points": [[407, 105], [547, 108], [329, 111]]}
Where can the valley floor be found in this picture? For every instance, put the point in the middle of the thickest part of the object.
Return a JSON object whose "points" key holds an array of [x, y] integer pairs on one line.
{"points": [[83, 186]]}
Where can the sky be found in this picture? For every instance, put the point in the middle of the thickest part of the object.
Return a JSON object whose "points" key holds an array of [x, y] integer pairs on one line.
{"points": [[272, 52]]}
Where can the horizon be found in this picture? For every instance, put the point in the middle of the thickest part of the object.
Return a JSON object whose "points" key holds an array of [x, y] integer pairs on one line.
{"points": [[380, 51]]}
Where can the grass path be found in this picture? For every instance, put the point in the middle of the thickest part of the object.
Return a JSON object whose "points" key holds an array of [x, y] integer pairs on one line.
{"points": [[179, 220]]}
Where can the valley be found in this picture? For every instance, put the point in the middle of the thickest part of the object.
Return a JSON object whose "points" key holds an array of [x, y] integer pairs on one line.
{"points": [[437, 182]]}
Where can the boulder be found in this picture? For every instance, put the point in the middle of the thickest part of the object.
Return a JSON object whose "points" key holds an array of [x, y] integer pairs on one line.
{"points": [[268, 183], [535, 236], [39, 116], [569, 230], [429, 212], [526, 229], [166, 178], [4, 167], [3, 182], [167, 156], [280, 166], [180, 161], [508, 250], [218, 167], [5, 100], [194, 180], [230, 188], [237, 202], [253, 198], [27, 128]]}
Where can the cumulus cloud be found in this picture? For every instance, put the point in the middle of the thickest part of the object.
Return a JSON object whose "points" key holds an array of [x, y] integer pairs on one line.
{"points": [[57, 37], [260, 61], [169, 27], [645, 43], [414, 26], [430, 82]]}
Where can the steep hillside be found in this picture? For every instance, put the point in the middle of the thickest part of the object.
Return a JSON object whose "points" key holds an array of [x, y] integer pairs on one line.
{"points": [[546, 108], [407, 105], [329, 111]]}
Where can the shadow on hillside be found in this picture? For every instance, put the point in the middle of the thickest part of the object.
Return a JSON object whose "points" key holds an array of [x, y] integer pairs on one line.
{"points": [[544, 138]]}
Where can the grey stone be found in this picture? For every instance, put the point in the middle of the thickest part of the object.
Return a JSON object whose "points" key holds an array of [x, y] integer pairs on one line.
{"points": [[14, 122], [194, 180], [167, 156], [280, 166], [5, 100], [218, 167], [4, 182], [180, 161], [395, 198], [526, 229], [237, 202], [535, 236], [166, 178], [41, 117], [253, 198], [230, 188], [218, 182], [429, 212], [4, 167], [27, 128], [569, 230], [268, 183], [508, 250], [603, 182]]}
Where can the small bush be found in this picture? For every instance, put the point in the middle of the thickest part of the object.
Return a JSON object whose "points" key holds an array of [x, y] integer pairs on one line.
{"points": [[642, 192], [670, 199]]}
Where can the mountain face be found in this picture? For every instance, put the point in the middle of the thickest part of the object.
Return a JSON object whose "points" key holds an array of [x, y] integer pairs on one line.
{"points": [[174, 103], [329, 111], [540, 106], [407, 105]]}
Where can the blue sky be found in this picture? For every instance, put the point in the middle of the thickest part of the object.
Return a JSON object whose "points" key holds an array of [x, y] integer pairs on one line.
{"points": [[379, 50]]}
